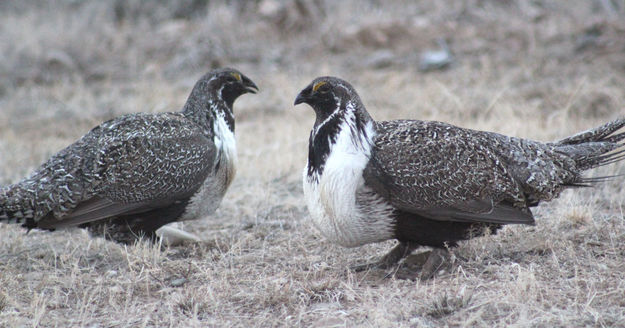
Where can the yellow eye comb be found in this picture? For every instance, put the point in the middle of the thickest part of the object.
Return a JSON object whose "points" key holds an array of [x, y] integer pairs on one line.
{"points": [[318, 85], [236, 76]]}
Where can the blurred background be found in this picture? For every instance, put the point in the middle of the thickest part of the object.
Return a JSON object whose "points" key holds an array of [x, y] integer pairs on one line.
{"points": [[88, 60]]}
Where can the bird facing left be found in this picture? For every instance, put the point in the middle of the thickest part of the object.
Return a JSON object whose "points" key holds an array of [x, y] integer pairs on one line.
{"points": [[131, 175]]}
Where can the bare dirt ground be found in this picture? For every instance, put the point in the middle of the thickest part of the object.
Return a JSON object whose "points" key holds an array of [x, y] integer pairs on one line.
{"points": [[539, 69]]}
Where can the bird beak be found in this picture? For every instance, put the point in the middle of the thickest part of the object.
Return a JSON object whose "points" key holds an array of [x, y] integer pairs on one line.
{"points": [[298, 100], [250, 86], [302, 97]]}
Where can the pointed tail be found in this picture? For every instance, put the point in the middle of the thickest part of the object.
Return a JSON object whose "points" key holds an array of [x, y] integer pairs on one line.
{"points": [[595, 147]]}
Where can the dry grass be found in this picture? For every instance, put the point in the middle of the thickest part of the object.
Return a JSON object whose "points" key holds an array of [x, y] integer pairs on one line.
{"points": [[540, 69]]}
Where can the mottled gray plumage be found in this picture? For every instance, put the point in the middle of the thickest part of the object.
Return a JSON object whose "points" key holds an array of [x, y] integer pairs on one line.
{"points": [[137, 172], [431, 183], [446, 172]]}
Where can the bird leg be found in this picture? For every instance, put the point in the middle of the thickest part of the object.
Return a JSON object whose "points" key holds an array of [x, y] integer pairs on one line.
{"points": [[391, 258], [173, 236], [423, 265], [437, 259]]}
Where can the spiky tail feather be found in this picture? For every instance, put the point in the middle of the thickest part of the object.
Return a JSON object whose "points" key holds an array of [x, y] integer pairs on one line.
{"points": [[601, 133], [595, 147]]}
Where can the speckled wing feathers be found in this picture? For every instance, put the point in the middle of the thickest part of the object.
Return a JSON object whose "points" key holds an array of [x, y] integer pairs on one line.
{"points": [[170, 150], [445, 172], [128, 164], [449, 173]]}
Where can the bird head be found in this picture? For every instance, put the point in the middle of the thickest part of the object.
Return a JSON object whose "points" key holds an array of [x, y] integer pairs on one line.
{"points": [[327, 95], [225, 84], [230, 84], [337, 108]]}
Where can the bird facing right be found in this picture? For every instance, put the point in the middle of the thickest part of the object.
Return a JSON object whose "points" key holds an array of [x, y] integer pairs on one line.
{"points": [[131, 175], [431, 183]]}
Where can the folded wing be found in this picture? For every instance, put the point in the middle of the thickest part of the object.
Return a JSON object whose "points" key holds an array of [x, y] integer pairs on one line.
{"points": [[142, 165], [444, 173]]}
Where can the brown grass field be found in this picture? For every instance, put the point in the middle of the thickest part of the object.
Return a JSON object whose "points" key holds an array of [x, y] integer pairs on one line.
{"points": [[541, 69]]}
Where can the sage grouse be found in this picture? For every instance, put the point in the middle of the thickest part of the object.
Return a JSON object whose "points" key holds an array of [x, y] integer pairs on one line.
{"points": [[430, 183], [135, 173]]}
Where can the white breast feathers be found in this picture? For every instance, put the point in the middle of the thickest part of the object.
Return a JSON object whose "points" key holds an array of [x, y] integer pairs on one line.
{"points": [[342, 208], [209, 196]]}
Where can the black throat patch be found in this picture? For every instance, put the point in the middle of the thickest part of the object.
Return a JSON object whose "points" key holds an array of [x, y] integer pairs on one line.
{"points": [[320, 143]]}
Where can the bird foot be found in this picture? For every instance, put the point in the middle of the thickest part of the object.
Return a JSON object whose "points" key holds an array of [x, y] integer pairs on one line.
{"points": [[398, 252], [430, 262], [173, 236], [435, 262]]}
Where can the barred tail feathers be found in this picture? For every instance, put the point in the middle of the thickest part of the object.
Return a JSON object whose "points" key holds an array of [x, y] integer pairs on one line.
{"points": [[601, 133], [595, 147]]}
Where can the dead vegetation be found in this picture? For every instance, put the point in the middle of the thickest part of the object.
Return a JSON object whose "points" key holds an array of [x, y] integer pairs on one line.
{"points": [[539, 69]]}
